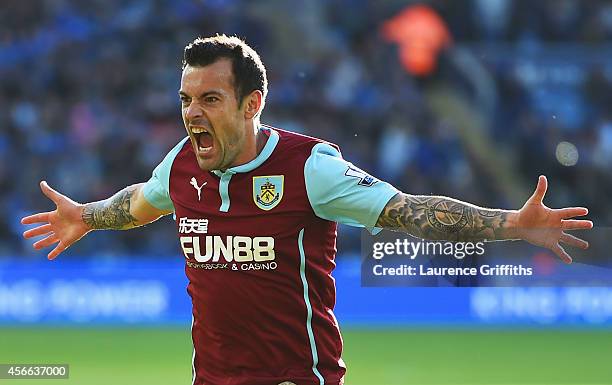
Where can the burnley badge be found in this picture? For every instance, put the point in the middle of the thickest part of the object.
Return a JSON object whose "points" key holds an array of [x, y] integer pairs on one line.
{"points": [[268, 191]]}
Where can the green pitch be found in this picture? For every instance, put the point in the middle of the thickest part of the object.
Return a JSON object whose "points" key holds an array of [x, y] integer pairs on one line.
{"points": [[388, 357]]}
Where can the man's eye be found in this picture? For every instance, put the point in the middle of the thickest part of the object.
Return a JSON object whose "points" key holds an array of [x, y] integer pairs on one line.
{"points": [[211, 99], [185, 100]]}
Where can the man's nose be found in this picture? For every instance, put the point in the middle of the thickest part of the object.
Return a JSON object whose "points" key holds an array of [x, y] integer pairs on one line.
{"points": [[193, 111]]}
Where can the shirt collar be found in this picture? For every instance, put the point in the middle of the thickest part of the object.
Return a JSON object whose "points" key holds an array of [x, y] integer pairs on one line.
{"points": [[259, 159]]}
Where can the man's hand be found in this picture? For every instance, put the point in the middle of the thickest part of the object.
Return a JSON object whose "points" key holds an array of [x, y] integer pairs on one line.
{"points": [[64, 225], [546, 227], [71, 220]]}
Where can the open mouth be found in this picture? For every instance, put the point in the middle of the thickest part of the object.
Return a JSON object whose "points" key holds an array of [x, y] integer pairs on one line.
{"points": [[203, 139]]}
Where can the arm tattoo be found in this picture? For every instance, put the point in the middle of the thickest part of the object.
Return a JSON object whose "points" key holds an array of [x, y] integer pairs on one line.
{"points": [[441, 218], [112, 213]]}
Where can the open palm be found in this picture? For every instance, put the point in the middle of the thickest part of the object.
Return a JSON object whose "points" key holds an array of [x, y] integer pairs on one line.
{"points": [[63, 226], [546, 227]]}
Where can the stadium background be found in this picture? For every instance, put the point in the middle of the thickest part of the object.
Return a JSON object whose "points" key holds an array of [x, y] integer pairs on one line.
{"points": [[471, 99]]}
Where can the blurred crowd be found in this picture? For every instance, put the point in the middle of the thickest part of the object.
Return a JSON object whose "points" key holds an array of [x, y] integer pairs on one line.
{"points": [[88, 99]]}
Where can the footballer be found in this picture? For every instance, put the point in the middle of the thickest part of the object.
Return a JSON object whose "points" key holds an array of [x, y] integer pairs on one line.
{"points": [[256, 210]]}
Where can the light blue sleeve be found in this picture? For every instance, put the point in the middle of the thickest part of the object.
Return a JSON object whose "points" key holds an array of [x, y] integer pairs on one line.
{"points": [[338, 191], [157, 189]]}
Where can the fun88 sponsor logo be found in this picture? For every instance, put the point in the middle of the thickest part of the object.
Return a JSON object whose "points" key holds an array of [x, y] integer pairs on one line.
{"points": [[233, 248], [198, 226], [229, 252]]}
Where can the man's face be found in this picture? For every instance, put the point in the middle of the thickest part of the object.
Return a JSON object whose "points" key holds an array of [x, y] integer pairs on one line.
{"points": [[211, 113]]}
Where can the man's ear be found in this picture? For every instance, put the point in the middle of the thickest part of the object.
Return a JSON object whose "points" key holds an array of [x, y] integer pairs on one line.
{"points": [[252, 104]]}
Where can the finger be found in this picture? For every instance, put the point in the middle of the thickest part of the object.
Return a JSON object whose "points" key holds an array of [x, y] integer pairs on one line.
{"points": [[570, 212], [36, 218], [50, 193], [40, 230], [574, 241], [57, 251], [540, 191], [561, 253], [576, 224], [46, 242]]}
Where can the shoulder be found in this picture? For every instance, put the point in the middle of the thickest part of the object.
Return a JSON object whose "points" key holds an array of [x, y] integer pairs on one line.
{"points": [[289, 140], [156, 189], [168, 160], [182, 147]]}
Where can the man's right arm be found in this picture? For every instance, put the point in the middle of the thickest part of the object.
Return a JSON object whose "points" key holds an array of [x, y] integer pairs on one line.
{"points": [[71, 221], [125, 210], [134, 206]]}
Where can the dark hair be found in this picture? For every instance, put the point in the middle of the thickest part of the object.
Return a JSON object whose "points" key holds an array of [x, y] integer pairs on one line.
{"points": [[247, 67]]}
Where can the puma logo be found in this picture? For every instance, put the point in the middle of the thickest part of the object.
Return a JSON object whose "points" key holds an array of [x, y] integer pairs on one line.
{"points": [[194, 183]]}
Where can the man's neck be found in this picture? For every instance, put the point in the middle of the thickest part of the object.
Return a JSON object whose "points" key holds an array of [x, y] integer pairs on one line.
{"points": [[260, 142]]}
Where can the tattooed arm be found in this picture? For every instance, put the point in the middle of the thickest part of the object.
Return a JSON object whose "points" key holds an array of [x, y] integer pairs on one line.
{"points": [[442, 218], [125, 210], [70, 221]]}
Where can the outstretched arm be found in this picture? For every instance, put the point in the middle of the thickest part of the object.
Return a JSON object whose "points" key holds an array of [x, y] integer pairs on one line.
{"points": [[442, 218], [70, 221], [125, 210]]}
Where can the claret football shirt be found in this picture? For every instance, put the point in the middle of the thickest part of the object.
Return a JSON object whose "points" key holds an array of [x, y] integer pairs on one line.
{"points": [[259, 241]]}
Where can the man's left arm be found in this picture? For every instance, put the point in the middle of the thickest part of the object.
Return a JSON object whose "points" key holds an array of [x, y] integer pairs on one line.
{"points": [[442, 218]]}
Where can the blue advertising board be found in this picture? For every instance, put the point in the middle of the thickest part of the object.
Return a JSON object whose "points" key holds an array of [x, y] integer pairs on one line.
{"points": [[90, 291], [130, 291]]}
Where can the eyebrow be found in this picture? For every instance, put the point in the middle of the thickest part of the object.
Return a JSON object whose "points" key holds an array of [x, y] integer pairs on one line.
{"points": [[205, 94]]}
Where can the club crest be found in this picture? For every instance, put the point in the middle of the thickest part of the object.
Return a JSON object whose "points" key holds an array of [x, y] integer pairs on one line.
{"points": [[268, 191]]}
